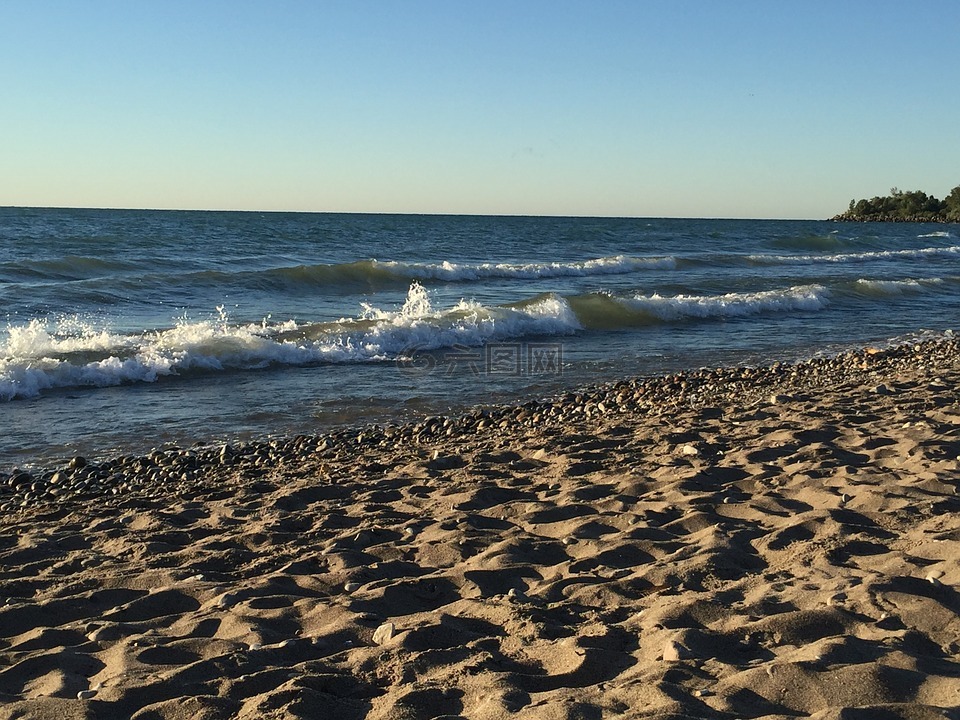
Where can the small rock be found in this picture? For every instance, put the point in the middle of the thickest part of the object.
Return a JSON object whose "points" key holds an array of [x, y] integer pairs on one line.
{"points": [[674, 651], [933, 577], [110, 632], [86, 694], [689, 450], [351, 587], [384, 633]]}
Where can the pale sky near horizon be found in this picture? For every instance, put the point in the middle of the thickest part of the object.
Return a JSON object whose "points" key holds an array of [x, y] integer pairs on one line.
{"points": [[693, 108]]}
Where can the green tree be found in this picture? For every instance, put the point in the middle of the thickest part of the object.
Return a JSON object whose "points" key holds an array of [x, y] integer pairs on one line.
{"points": [[951, 205], [910, 205]]}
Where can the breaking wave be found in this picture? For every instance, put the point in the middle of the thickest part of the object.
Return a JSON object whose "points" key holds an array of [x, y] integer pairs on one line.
{"points": [[602, 311], [43, 355], [854, 257]]}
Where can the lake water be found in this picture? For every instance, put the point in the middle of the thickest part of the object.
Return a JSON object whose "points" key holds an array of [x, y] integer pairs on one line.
{"points": [[124, 330]]}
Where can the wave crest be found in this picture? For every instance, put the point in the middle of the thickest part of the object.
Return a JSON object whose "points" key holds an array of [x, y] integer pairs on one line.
{"points": [[43, 356], [853, 257]]}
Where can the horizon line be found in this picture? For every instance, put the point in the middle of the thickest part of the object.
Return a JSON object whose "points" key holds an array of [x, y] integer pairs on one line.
{"points": [[408, 213]]}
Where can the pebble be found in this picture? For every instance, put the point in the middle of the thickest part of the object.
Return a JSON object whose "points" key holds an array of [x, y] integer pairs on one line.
{"points": [[86, 694], [384, 633], [674, 651], [351, 587], [107, 633], [226, 600]]}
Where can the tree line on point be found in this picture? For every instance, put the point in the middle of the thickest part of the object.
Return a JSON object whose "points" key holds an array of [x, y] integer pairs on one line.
{"points": [[905, 206]]}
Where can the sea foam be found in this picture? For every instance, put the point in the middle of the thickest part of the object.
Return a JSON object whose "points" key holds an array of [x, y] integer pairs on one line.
{"points": [[854, 257], [450, 271], [801, 297], [41, 356]]}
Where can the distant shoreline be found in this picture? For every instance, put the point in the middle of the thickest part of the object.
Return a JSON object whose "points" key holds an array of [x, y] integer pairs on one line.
{"points": [[904, 206], [844, 217]]}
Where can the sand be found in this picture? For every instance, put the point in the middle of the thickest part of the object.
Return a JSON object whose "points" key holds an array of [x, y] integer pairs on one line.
{"points": [[791, 552]]}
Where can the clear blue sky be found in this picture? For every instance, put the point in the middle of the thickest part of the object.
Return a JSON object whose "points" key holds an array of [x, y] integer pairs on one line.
{"points": [[742, 108]]}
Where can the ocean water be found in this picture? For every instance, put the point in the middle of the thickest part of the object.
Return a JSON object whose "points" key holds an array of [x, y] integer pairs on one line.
{"points": [[122, 330]]}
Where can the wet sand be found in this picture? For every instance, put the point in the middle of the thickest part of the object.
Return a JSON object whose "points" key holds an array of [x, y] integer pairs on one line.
{"points": [[742, 543]]}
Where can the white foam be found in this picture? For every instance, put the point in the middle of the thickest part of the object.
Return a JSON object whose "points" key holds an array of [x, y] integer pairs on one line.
{"points": [[896, 287], [37, 357], [855, 257], [449, 271], [417, 324], [801, 297], [45, 338], [939, 233]]}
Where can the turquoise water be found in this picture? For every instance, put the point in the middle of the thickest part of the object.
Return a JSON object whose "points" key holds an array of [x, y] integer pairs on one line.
{"points": [[122, 330]]}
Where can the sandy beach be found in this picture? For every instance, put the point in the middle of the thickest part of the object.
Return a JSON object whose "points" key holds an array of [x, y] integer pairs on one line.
{"points": [[773, 542]]}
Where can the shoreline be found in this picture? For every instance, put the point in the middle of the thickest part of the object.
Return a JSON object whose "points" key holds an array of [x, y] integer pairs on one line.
{"points": [[79, 479], [765, 542]]}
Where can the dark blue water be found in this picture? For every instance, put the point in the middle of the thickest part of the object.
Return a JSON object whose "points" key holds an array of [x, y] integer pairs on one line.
{"points": [[124, 330]]}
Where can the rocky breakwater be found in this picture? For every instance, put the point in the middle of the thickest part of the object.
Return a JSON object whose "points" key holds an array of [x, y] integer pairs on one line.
{"points": [[173, 470]]}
